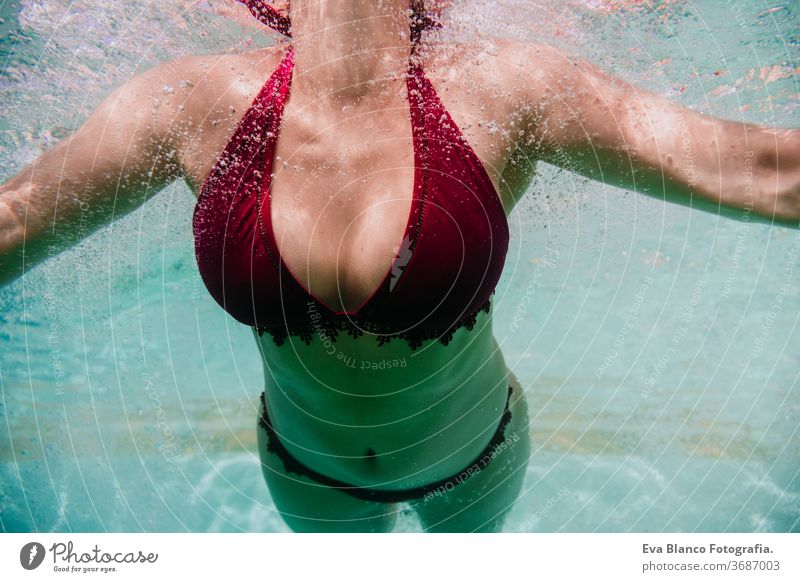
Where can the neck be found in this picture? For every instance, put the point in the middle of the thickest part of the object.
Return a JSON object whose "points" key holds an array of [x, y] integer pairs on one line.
{"points": [[344, 49]]}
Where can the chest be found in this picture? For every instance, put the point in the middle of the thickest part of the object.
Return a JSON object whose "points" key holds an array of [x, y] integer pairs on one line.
{"points": [[347, 186], [341, 198]]}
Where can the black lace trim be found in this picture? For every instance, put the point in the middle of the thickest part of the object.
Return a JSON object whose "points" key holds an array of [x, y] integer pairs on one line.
{"points": [[329, 327]]}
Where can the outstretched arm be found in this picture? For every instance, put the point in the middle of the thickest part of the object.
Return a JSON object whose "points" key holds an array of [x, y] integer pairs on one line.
{"points": [[607, 129], [123, 153]]}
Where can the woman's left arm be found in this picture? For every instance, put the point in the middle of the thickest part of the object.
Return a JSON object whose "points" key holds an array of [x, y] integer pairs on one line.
{"points": [[583, 119]]}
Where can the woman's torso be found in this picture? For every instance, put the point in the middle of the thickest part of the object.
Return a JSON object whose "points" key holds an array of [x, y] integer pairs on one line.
{"points": [[339, 210]]}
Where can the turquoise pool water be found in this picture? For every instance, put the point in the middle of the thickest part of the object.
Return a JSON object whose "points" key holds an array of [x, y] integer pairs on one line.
{"points": [[657, 346]]}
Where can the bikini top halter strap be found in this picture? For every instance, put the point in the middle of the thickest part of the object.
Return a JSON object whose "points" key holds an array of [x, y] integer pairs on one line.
{"points": [[280, 22]]}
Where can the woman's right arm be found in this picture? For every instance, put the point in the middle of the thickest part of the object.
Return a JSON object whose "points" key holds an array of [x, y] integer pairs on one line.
{"points": [[124, 152]]}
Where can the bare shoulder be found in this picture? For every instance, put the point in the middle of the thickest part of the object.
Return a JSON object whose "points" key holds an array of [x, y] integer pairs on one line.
{"points": [[199, 76], [524, 54], [502, 68], [544, 71], [195, 84], [528, 69], [199, 99]]}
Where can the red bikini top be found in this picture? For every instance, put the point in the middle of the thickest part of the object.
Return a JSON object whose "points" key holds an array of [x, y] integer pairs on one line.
{"points": [[448, 264]]}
